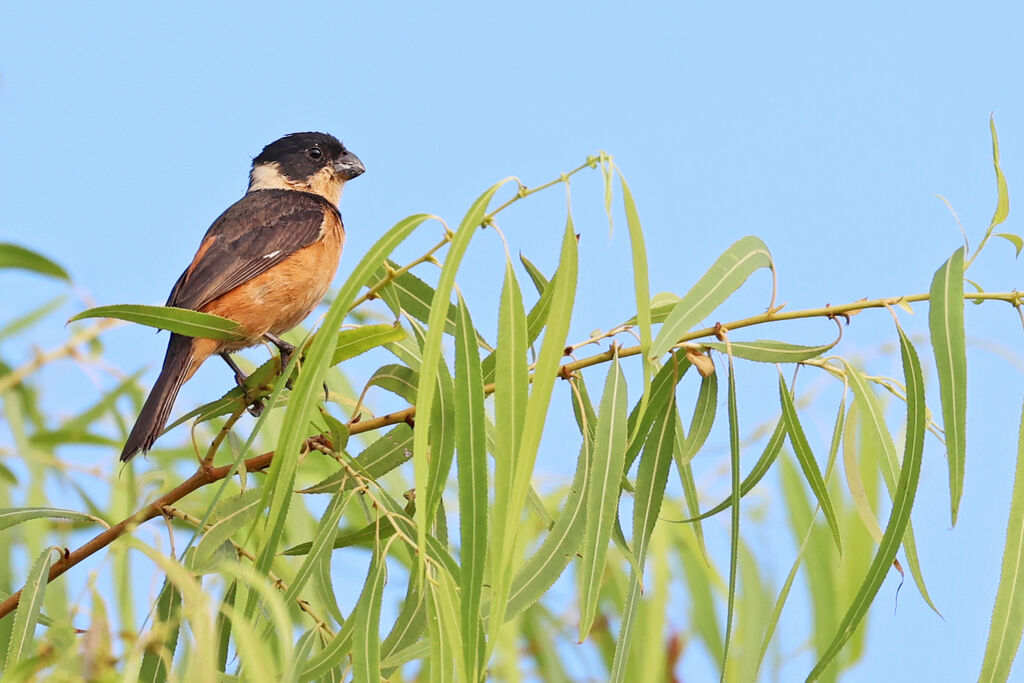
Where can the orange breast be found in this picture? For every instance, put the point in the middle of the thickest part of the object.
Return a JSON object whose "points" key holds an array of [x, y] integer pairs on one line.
{"points": [[280, 298]]}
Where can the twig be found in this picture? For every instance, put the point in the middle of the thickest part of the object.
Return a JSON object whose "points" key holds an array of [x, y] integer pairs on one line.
{"points": [[207, 475]]}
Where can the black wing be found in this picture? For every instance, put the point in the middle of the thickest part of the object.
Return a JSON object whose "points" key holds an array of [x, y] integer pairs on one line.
{"points": [[256, 233]]}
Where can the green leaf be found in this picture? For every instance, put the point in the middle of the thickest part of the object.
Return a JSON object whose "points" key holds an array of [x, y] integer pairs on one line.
{"points": [[946, 323], [357, 341], [647, 409], [13, 256], [471, 442], [180, 320], [559, 547], [429, 370], [26, 321], [603, 496], [231, 515], [1003, 194], [557, 328], [1015, 240], [787, 584], [540, 282], [167, 620], [281, 476], [414, 296], [757, 472], [734, 526], [725, 276], [874, 423], [366, 638], [651, 479], [804, 455], [27, 614], [510, 398], [76, 429], [535, 321], [771, 351], [411, 621], [320, 546], [11, 516], [382, 456], [398, 379], [899, 517], [641, 286], [854, 481], [224, 625], [378, 529], [255, 386], [1004, 632]]}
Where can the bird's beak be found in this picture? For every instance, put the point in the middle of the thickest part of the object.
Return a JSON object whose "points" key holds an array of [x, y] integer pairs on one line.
{"points": [[349, 166]]}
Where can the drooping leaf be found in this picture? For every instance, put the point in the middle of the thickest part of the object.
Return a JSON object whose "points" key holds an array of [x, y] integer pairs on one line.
{"points": [[734, 526], [506, 527], [471, 443], [609, 453], [13, 256], [946, 323], [899, 517], [1007, 625], [802, 449], [281, 475]]}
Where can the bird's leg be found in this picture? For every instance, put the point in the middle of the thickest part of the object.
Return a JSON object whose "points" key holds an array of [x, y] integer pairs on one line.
{"points": [[255, 408], [284, 347], [286, 355]]}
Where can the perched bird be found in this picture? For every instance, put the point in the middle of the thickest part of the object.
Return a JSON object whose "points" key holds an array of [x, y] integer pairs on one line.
{"points": [[266, 262]]}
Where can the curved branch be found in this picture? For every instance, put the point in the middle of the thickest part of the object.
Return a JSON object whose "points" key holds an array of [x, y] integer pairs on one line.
{"points": [[206, 475]]}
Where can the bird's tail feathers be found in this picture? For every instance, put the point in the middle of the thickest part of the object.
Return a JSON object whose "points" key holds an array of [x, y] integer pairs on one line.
{"points": [[178, 366]]}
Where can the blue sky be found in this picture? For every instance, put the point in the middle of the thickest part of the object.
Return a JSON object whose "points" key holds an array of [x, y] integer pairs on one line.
{"points": [[824, 130]]}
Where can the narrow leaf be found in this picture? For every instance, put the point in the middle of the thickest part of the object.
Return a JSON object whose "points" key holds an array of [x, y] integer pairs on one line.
{"points": [[771, 351], [11, 516], [734, 526], [1003, 194], [1004, 632], [899, 517], [471, 443], [354, 342], [609, 453], [428, 384], [27, 614], [180, 320], [946, 323], [366, 623], [804, 455], [651, 479], [13, 256], [725, 276], [281, 476]]}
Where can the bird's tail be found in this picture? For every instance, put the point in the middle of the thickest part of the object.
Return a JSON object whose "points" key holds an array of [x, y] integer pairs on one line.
{"points": [[178, 366]]}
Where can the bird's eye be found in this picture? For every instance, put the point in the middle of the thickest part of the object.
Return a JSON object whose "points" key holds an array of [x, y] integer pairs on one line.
{"points": [[315, 153]]}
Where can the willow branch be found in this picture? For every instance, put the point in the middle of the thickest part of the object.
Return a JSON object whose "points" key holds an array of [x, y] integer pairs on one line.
{"points": [[206, 475], [66, 350]]}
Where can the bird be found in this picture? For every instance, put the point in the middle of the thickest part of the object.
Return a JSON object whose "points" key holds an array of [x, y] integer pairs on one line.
{"points": [[265, 263]]}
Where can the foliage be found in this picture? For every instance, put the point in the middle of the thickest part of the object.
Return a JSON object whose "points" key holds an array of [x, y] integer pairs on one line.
{"points": [[323, 547]]}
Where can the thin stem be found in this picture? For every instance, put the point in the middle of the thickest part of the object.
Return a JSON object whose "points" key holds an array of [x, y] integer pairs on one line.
{"points": [[67, 349], [208, 475], [279, 583]]}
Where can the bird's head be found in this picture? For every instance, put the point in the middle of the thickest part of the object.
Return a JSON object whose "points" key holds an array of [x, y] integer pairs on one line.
{"points": [[308, 162]]}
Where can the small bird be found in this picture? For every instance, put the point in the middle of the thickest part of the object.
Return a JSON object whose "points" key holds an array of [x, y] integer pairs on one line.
{"points": [[265, 263]]}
